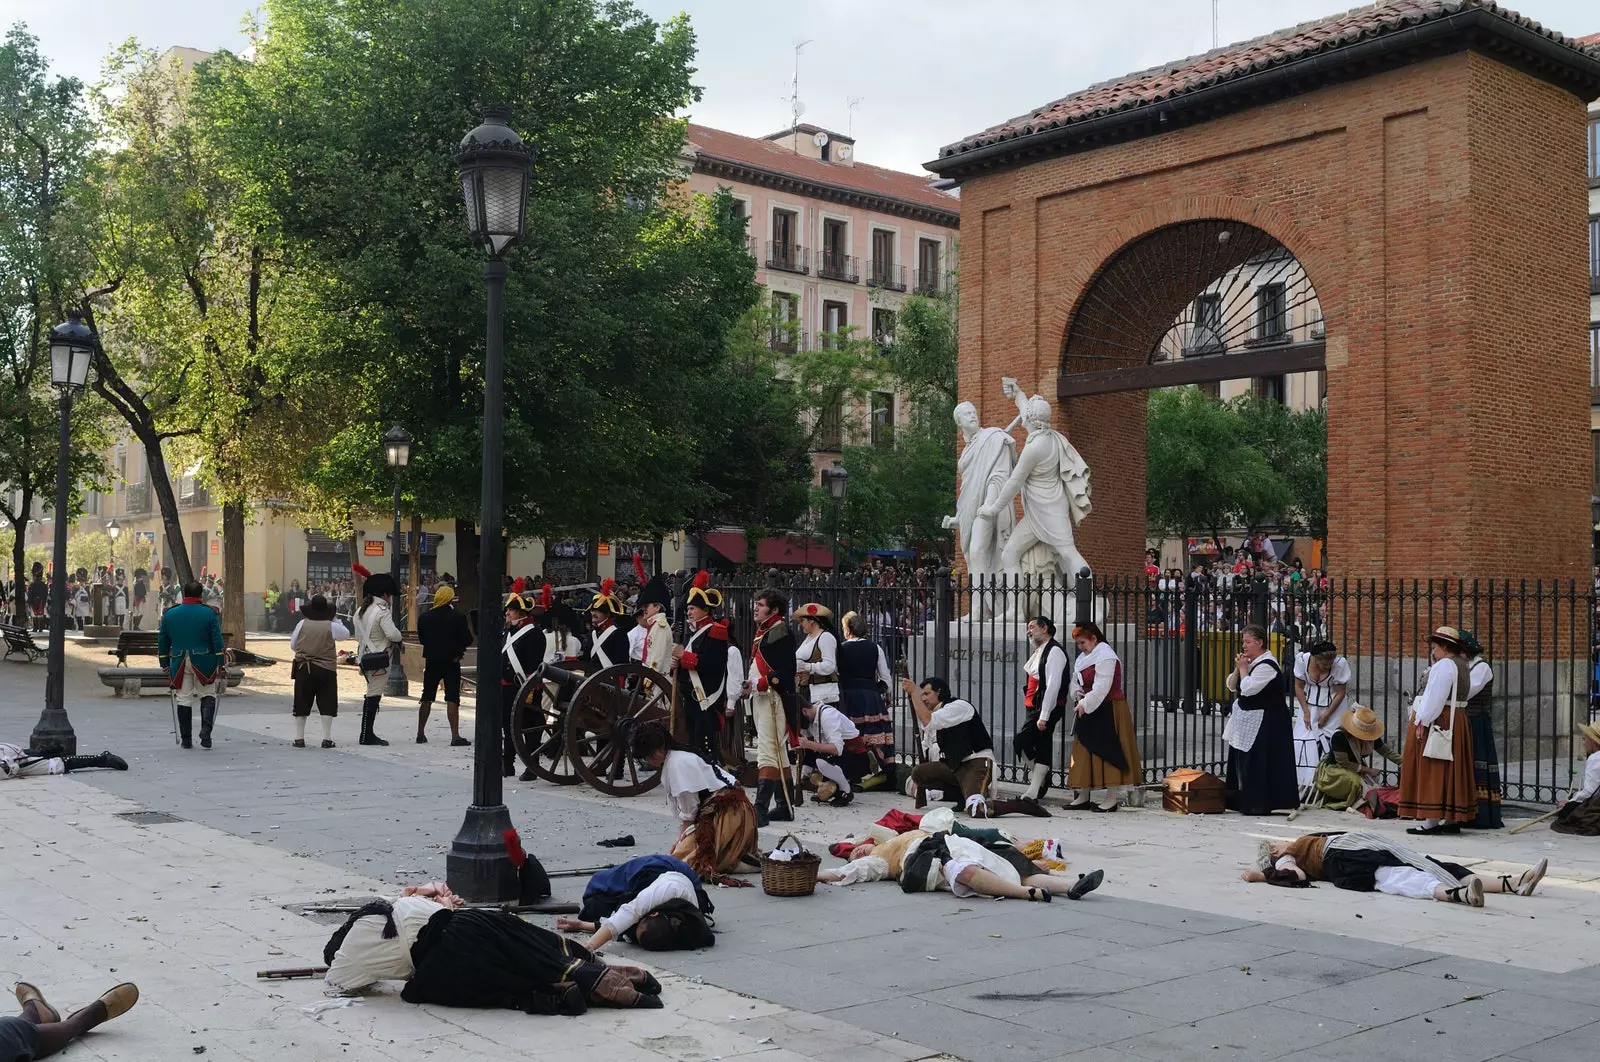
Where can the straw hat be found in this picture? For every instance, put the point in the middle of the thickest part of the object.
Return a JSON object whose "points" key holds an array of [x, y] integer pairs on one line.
{"points": [[813, 611], [1449, 637], [1590, 731], [1363, 724]]}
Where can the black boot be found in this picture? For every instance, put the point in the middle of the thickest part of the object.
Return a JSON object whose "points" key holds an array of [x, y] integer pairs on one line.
{"points": [[782, 808], [369, 718], [208, 717], [185, 726], [763, 802], [109, 761]]}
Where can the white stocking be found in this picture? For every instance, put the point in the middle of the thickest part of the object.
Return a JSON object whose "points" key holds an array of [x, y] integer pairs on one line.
{"points": [[299, 728], [833, 773], [1040, 776], [327, 728]]}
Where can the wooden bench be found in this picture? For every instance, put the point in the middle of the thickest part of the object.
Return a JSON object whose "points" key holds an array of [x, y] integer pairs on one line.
{"points": [[19, 640], [143, 643], [131, 681]]}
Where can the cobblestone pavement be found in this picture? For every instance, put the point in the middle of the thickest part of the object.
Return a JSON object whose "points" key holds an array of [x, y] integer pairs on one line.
{"points": [[1173, 959]]}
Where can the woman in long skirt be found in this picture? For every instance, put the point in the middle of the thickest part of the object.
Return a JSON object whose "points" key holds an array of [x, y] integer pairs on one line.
{"points": [[716, 821], [1441, 792], [864, 681], [1346, 774], [1260, 734], [1321, 679], [1480, 720], [1105, 750]]}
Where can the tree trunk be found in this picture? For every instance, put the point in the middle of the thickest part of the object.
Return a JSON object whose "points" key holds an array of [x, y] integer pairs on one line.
{"points": [[467, 564], [161, 484], [414, 575], [353, 545], [19, 560], [233, 574]]}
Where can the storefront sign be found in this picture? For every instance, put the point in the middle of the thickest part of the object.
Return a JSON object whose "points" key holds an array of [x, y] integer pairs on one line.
{"points": [[371, 548]]}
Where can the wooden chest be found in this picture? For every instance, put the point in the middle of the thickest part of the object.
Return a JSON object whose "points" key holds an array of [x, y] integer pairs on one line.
{"points": [[1192, 792]]}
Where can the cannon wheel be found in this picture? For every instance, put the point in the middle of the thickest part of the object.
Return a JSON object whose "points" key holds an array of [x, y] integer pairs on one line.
{"points": [[604, 713], [539, 731]]}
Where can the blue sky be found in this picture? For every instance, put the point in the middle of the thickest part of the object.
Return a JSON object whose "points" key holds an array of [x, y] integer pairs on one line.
{"points": [[926, 72]]}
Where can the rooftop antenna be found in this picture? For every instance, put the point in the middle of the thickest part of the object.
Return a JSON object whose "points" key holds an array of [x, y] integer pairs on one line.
{"points": [[850, 128], [1214, 41], [796, 108]]}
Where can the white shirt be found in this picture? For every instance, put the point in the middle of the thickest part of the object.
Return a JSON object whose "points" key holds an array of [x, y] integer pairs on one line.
{"points": [[683, 776], [832, 727], [1104, 660], [365, 957], [951, 713], [1591, 778], [556, 653], [669, 886], [1478, 676], [1441, 687], [1054, 673], [827, 669], [734, 687], [337, 629], [375, 631], [636, 642], [1320, 694], [1256, 679], [1244, 727]]}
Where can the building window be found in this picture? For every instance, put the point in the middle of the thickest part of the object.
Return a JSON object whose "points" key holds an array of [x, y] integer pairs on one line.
{"points": [[1208, 335], [883, 272], [882, 419], [122, 468], [1594, 356], [1272, 314], [783, 250], [930, 280], [1594, 150], [836, 262], [786, 322], [1275, 388], [1594, 256], [830, 433], [882, 328], [740, 209], [91, 503], [835, 319]]}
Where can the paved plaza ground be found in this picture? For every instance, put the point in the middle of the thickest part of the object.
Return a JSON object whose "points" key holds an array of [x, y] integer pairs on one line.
{"points": [[1173, 959]]}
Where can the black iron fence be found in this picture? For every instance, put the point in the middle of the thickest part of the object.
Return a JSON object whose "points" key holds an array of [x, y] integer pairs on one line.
{"points": [[1178, 639]]}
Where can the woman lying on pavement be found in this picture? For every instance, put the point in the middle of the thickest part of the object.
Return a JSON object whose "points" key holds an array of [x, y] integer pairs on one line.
{"points": [[476, 958], [654, 901], [41, 1031], [969, 867], [1365, 862]]}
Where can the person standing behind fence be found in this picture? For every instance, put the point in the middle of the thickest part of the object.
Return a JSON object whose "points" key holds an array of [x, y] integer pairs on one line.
{"points": [[1321, 679], [1105, 751], [1260, 732], [1441, 792], [1044, 698], [445, 636], [189, 645], [315, 668], [1485, 756], [864, 683], [377, 638]]}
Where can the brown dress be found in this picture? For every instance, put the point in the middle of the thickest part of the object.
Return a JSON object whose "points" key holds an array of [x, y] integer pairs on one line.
{"points": [[1436, 789], [1088, 770]]}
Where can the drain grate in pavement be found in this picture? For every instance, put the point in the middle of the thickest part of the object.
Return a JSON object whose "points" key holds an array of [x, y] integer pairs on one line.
{"points": [[148, 818]]}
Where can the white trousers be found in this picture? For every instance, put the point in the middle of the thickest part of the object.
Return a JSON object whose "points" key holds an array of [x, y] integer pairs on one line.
{"points": [[192, 689], [771, 729], [1407, 881]]}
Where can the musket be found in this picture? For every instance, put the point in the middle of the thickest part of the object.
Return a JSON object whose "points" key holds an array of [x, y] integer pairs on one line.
{"points": [[680, 636]]}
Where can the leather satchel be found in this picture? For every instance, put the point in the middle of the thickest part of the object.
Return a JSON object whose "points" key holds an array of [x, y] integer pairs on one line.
{"points": [[373, 662], [1441, 742]]}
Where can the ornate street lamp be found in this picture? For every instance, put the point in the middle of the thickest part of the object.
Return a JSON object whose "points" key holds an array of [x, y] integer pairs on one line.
{"points": [[496, 167], [397, 451], [73, 346], [836, 479]]}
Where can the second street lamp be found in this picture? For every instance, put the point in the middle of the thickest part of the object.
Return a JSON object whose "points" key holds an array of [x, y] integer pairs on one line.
{"points": [[495, 170], [836, 479], [72, 346], [397, 452]]}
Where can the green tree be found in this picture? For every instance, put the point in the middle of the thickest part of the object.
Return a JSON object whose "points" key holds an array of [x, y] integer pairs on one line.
{"points": [[1295, 443], [45, 133], [1201, 473]]}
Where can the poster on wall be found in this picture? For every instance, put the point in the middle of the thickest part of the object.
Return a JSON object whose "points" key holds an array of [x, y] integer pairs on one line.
{"points": [[566, 562]]}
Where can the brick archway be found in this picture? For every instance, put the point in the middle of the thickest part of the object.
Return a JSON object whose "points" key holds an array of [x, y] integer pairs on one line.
{"points": [[1449, 263]]}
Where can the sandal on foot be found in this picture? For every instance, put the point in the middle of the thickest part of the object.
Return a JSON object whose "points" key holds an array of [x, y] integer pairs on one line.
{"points": [[1038, 895], [327, 743], [118, 1001], [299, 743], [1087, 883], [28, 993], [1470, 894], [1531, 877]]}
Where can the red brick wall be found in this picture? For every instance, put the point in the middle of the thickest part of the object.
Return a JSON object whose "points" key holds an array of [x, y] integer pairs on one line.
{"points": [[1439, 212]]}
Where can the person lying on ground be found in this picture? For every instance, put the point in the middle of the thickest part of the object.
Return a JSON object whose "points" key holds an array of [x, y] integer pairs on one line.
{"points": [[716, 821], [477, 958], [41, 1031], [971, 867], [18, 762], [1365, 862], [654, 901], [833, 745], [874, 860]]}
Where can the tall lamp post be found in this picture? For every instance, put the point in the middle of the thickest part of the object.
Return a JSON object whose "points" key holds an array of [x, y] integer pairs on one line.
{"points": [[72, 346], [113, 531], [836, 479], [495, 170], [397, 451]]}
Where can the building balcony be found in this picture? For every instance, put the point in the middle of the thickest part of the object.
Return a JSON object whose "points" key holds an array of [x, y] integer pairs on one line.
{"points": [[788, 340], [199, 498], [931, 282], [789, 257], [886, 275], [837, 266], [136, 500]]}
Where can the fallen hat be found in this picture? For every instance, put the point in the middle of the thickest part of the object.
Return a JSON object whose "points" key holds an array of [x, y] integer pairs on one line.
{"points": [[1363, 724]]}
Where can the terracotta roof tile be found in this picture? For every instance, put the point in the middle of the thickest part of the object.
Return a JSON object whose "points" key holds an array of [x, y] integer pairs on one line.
{"points": [[1591, 42], [778, 157], [1236, 60]]}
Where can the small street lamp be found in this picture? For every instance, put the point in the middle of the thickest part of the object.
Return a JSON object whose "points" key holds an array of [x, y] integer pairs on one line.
{"points": [[113, 532], [397, 451], [73, 346], [496, 168], [836, 479]]}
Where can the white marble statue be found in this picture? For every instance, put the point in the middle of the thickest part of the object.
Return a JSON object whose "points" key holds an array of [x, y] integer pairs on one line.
{"points": [[985, 465], [1053, 481]]}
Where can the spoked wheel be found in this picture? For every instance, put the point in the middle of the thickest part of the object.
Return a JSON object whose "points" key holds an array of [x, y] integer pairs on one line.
{"points": [[605, 713], [539, 731]]}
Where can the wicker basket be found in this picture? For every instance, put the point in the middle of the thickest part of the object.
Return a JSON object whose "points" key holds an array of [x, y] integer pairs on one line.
{"points": [[796, 876]]}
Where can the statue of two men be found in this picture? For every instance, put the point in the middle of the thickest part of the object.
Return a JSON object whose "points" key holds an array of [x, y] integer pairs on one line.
{"points": [[1050, 476]]}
